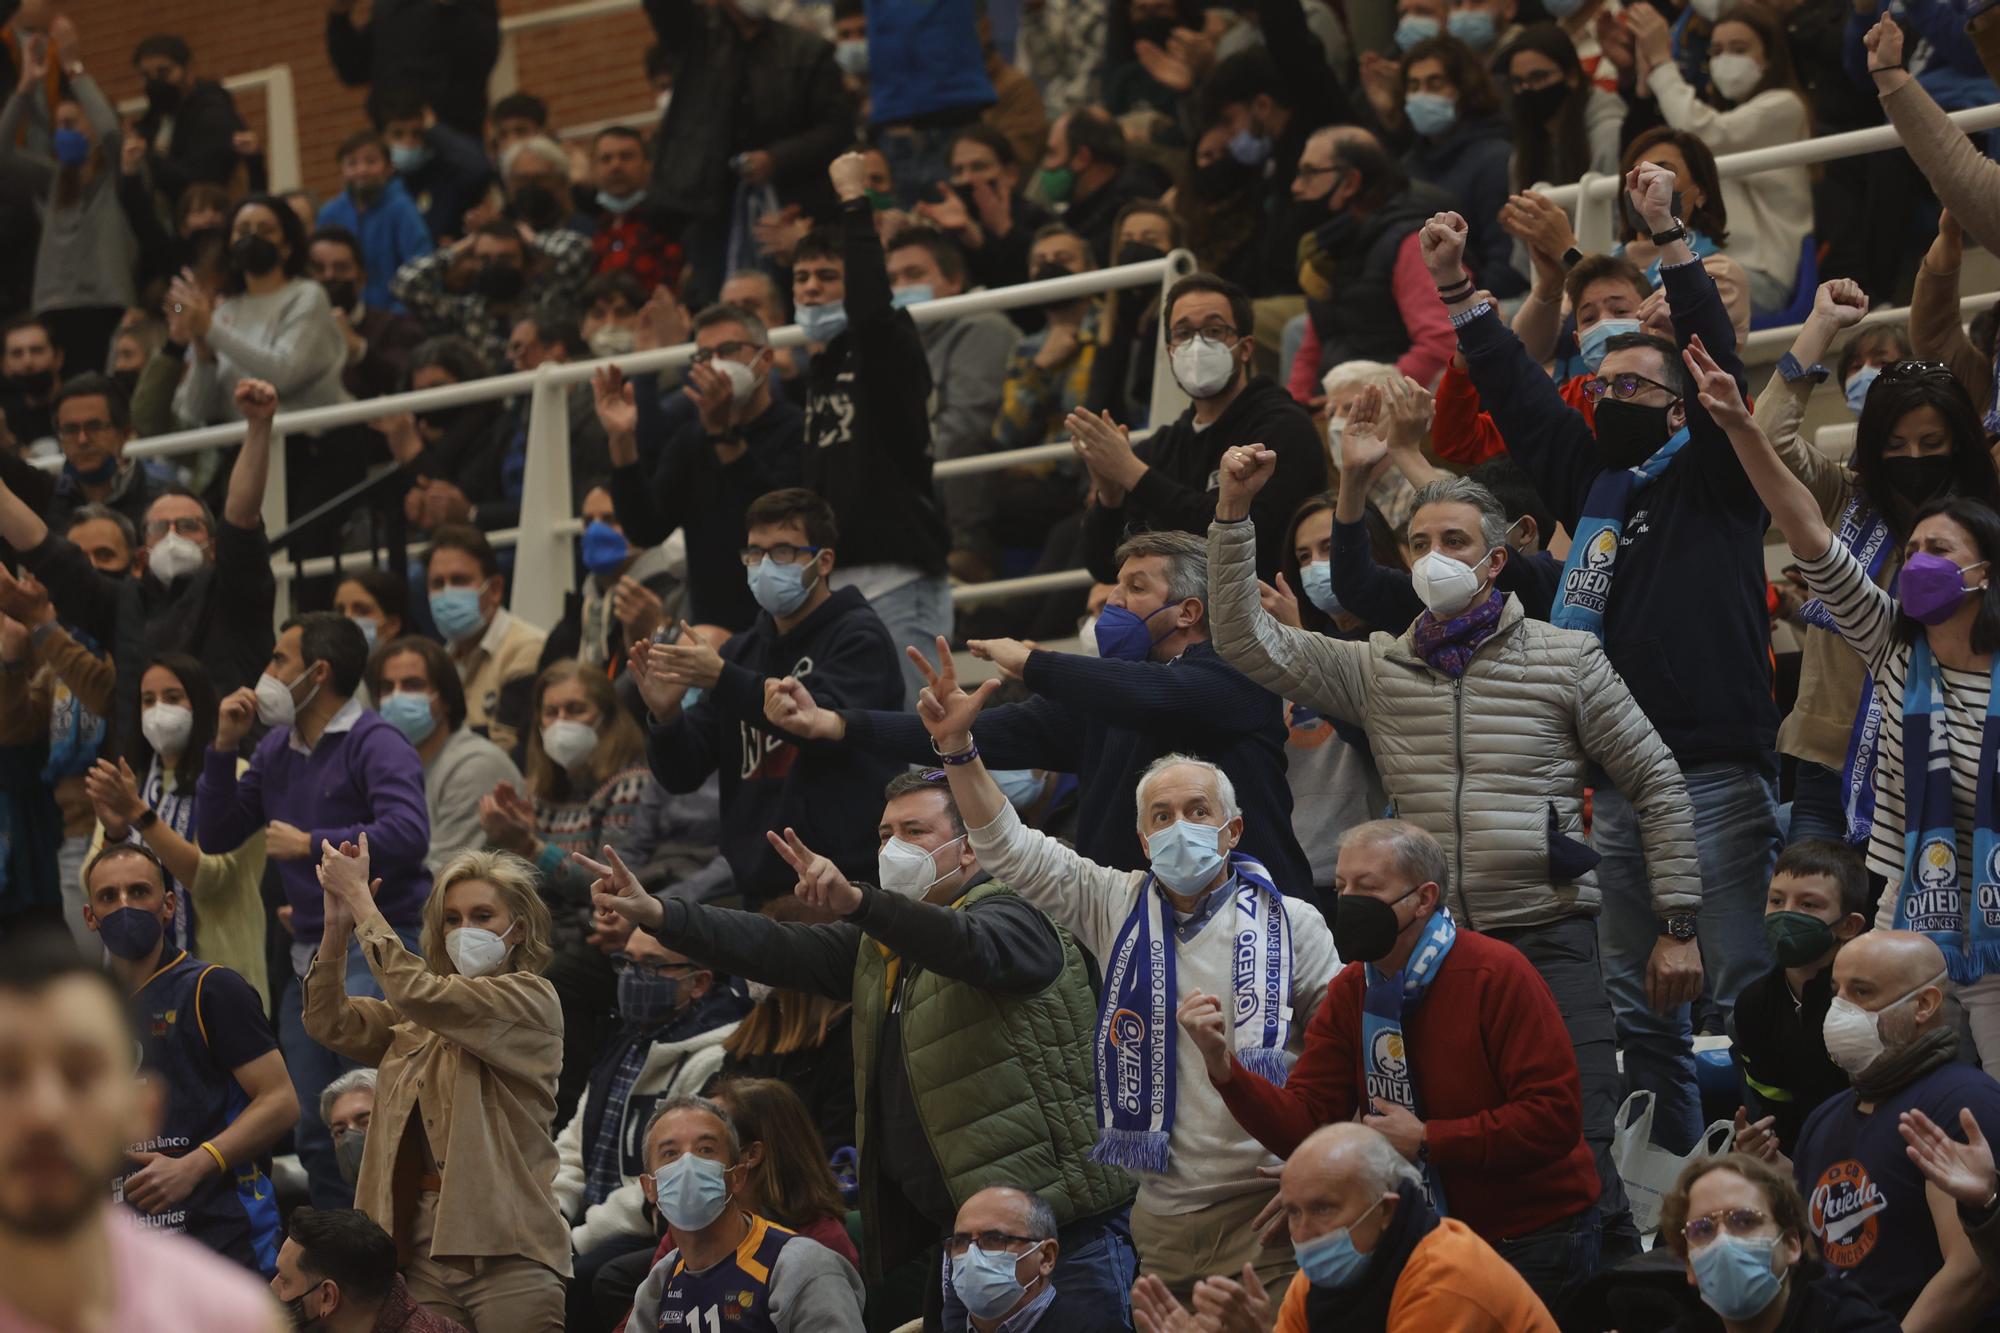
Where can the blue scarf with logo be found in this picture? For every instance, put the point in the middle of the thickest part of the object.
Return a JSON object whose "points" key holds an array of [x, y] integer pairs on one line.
{"points": [[1932, 897], [1136, 1028], [1867, 538], [1385, 1058], [1585, 593]]}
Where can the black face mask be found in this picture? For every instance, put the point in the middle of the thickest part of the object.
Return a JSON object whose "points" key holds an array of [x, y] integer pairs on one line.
{"points": [[500, 282], [341, 293], [538, 206], [250, 255], [1364, 928], [1156, 31], [1629, 433], [162, 96], [440, 419], [34, 384], [1051, 269], [128, 380], [1540, 105], [1138, 252], [1915, 480]]}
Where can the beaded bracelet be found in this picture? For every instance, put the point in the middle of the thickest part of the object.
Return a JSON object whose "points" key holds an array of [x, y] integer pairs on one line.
{"points": [[965, 756]]}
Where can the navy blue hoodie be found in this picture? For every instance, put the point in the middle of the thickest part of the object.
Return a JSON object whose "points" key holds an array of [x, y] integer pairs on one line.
{"points": [[831, 795]]}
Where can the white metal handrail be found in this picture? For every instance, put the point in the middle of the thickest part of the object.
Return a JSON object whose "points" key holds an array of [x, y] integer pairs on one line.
{"points": [[281, 120]]}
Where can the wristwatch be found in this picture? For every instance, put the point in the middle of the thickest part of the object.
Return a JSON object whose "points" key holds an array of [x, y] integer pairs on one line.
{"points": [[1677, 232], [1680, 925], [147, 818]]}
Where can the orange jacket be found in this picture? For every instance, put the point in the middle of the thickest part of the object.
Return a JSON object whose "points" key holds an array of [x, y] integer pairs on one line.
{"points": [[1454, 1282]]}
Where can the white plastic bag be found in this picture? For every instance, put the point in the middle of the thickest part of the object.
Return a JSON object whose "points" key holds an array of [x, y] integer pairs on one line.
{"points": [[1649, 1171]]}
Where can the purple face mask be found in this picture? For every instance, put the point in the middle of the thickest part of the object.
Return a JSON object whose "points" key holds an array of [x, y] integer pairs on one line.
{"points": [[1932, 587]]}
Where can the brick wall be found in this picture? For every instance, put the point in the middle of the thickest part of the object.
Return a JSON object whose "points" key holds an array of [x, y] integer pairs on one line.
{"points": [[588, 71]]}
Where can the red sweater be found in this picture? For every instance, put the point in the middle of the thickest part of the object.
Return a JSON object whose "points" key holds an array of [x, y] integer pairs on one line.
{"points": [[1496, 1083]]}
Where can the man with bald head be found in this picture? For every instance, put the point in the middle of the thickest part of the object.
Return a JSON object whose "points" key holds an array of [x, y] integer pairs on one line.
{"points": [[1000, 1263], [1879, 1224]]}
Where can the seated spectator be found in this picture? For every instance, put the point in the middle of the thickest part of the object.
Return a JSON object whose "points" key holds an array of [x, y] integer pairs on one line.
{"points": [[1463, 148], [226, 1099], [1084, 174], [672, 1021], [535, 183], [1752, 101], [512, 119], [1154, 686], [495, 653], [455, 456], [377, 602], [994, 1231], [347, 1107], [31, 367], [634, 232], [1564, 125], [967, 355], [506, 271], [985, 209], [1361, 268], [148, 795], [477, 1037], [1121, 380], [190, 125], [628, 593], [801, 1039], [337, 1271], [755, 290], [207, 590], [1874, 349], [417, 691], [743, 442], [138, 342], [719, 1249], [374, 208], [442, 168], [1166, 483], [93, 421], [790, 1182], [547, 332], [611, 303], [1484, 1074], [272, 323], [84, 263]]}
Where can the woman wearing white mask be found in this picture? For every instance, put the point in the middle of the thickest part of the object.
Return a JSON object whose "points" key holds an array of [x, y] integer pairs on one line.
{"points": [[148, 795], [459, 1161], [1754, 102]]}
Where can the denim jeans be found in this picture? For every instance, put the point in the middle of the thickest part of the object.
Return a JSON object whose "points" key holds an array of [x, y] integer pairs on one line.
{"points": [[1736, 834], [1093, 1277], [916, 614], [312, 1066], [1816, 804], [1559, 1259]]}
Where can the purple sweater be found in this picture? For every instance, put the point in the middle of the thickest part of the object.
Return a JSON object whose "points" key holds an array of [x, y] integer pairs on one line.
{"points": [[366, 780]]}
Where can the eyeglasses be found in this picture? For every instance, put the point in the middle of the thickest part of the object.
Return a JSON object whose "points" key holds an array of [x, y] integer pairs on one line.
{"points": [[1736, 1221], [622, 963], [157, 528], [728, 351], [1308, 172], [1215, 335], [1623, 387], [782, 554], [958, 1242], [76, 430]]}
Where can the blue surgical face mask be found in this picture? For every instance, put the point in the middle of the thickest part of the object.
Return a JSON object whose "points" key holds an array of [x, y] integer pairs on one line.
{"points": [[409, 714], [1590, 347], [1430, 114], [1857, 387], [693, 1191], [988, 1283], [1735, 1277], [456, 612], [780, 589], [72, 147], [1185, 856], [369, 628], [902, 298], [823, 323], [604, 548], [1474, 27], [1316, 582], [619, 203], [1331, 1261], [1122, 636], [409, 157], [1021, 786], [1249, 147], [1414, 28]]}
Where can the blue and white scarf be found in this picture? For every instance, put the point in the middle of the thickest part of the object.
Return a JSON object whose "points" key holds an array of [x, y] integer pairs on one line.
{"points": [[1136, 1028], [1385, 1058], [75, 733], [176, 811], [1932, 897], [1585, 593], [1866, 537]]}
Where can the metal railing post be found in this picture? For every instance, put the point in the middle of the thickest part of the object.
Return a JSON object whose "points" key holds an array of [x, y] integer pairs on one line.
{"points": [[1595, 234], [281, 130], [277, 514], [1169, 399], [544, 566]]}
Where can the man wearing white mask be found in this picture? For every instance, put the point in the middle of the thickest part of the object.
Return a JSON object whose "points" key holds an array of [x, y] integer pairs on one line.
{"points": [[1204, 919], [768, 1279], [971, 1061], [1169, 481], [326, 770], [1482, 722], [1878, 1223]]}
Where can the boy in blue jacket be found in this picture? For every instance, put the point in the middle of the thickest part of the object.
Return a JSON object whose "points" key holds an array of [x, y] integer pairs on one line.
{"points": [[375, 207]]}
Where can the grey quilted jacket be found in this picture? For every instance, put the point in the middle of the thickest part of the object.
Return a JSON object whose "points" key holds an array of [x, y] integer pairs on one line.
{"points": [[1492, 764]]}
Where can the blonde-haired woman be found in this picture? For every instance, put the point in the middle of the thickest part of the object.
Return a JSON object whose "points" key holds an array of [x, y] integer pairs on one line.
{"points": [[459, 1163]]}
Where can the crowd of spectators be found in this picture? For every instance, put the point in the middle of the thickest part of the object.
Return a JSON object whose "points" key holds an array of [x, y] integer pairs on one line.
{"points": [[1418, 871]]}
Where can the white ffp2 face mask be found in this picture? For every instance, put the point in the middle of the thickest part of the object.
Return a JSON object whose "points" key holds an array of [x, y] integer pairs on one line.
{"points": [[1734, 76], [907, 870], [475, 952], [1203, 368], [1854, 1035], [1446, 586], [166, 728], [174, 556]]}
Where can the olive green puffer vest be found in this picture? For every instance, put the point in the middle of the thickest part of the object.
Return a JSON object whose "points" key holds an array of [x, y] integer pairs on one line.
{"points": [[1005, 1086]]}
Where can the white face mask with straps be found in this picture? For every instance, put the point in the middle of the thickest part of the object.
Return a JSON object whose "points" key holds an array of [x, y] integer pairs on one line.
{"points": [[1447, 586]]}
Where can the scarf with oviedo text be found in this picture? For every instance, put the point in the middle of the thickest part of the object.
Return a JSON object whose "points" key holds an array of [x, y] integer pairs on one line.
{"points": [[1585, 593], [1385, 1056], [1136, 1028], [1932, 897], [1866, 537]]}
